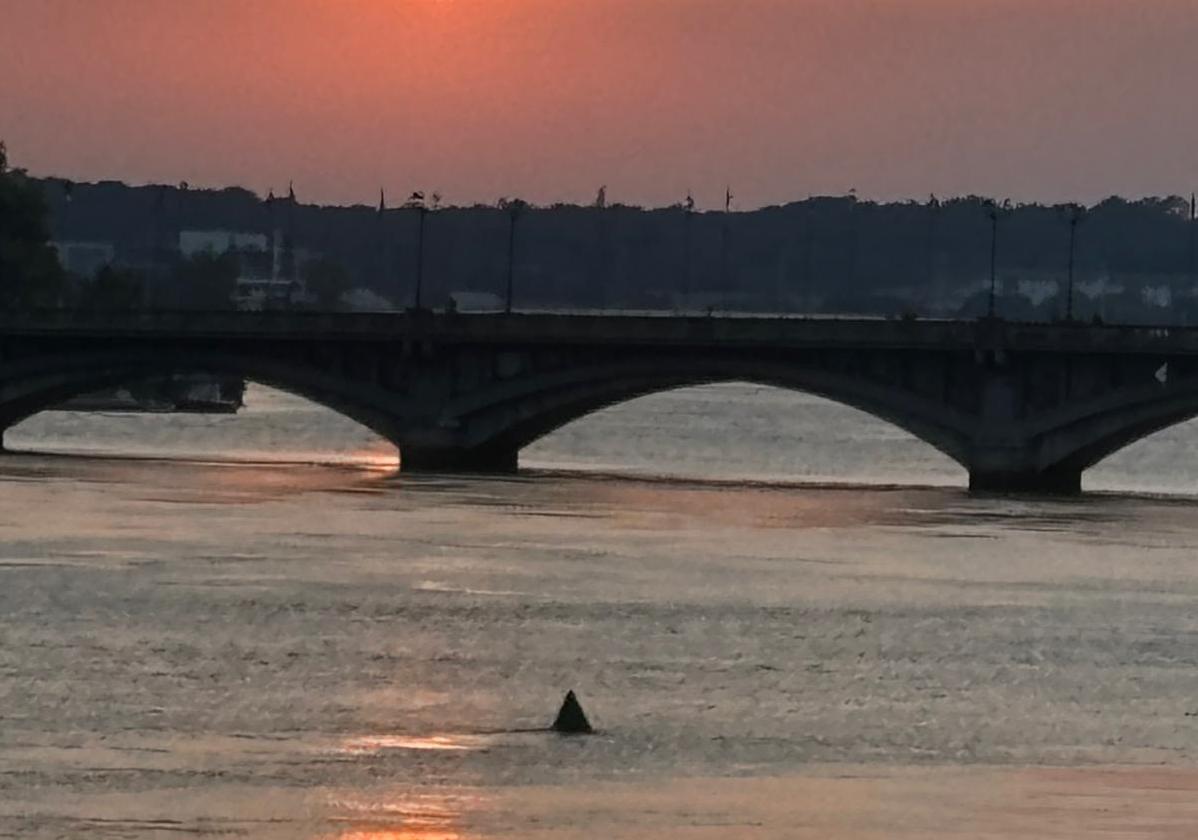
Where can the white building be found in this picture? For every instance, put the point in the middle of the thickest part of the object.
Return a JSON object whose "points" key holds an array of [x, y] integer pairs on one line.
{"points": [[259, 285], [192, 242], [84, 258], [472, 301]]}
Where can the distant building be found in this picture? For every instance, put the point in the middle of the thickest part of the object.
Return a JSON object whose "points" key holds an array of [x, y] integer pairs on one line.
{"points": [[85, 258], [267, 277], [1037, 288], [192, 242], [470, 301], [1158, 296], [365, 300], [256, 293]]}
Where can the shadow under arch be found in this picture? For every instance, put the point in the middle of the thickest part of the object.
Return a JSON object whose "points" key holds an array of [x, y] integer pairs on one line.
{"points": [[1103, 429], [483, 427], [737, 431], [28, 390], [540, 405]]}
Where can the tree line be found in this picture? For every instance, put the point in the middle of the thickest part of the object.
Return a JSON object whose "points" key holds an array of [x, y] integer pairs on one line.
{"points": [[1131, 260]]}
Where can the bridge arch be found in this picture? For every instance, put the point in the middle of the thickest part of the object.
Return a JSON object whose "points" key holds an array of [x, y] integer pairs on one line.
{"points": [[27, 389], [1022, 407], [510, 416], [1098, 429], [742, 430], [480, 428]]}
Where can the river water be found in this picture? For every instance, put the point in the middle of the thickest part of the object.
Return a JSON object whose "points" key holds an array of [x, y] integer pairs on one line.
{"points": [[785, 618]]}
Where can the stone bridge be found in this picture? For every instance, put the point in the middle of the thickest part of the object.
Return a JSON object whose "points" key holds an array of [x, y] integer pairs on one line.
{"points": [[1023, 407]]}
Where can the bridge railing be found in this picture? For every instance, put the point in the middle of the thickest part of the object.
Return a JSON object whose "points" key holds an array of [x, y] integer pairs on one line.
{"points": [[591, 327]]}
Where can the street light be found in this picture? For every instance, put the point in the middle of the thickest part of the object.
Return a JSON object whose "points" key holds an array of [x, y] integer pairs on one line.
{"points": [[601, 248], [688, 210], [994, 210], [930, 249], [1076, 214], [1193, 229], [416, 202], [724, 245], [514, 208]]}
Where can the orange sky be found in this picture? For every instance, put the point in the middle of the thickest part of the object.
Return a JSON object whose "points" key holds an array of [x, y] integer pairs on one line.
{"points": [[548, 99]]}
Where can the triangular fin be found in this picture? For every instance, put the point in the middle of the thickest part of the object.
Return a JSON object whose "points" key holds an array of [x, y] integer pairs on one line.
{"points": [[571, 719]]}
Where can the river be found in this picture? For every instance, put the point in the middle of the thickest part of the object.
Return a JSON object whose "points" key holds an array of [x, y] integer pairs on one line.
{"points": [[786, 620]]}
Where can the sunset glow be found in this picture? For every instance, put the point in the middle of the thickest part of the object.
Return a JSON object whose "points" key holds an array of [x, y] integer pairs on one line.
{"points": [[568, 419], [550, 99], [401, 817], [436, 743], [413, 833]]}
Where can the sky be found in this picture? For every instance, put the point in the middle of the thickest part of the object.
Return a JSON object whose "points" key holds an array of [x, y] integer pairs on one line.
{"points": [[550, 99]]}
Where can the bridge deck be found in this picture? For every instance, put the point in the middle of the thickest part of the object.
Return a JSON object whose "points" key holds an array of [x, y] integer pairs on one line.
{"points": [[642, 329]]}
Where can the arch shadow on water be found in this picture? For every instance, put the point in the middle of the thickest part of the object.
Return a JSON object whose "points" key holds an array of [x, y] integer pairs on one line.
{"points": [[501, 417], [738, 430], [273, 427], [1160, 462], [733, 430]]}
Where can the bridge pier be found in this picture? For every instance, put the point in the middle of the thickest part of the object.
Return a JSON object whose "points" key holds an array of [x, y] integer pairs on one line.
{"points": [[1058, 481], [487, 460]]}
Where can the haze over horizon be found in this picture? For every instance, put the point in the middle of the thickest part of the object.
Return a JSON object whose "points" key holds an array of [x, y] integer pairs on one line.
{"points": [[549, 99]]}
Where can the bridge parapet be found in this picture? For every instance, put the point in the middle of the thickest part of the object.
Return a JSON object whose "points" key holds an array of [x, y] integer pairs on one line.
{"points": [[591, 327]]}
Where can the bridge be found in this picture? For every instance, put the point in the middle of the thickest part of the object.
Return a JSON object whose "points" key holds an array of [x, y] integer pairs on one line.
{"points": [[1023, 407]]}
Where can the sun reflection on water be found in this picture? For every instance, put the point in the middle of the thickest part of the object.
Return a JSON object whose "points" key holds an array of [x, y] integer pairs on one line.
{"points": [[405, 833], [383, 459], [401, 817], [379, 743], [389, 814]]}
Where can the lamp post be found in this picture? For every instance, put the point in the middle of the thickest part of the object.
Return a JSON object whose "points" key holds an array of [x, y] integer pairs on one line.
{"points": [[157, 255], [688, 210], [416, 202], [994, 211], [422, 211], [1076, 214], [930, 248], [1193, 233], [808, 254], [601, 248], [724, 245], [514, 208]]}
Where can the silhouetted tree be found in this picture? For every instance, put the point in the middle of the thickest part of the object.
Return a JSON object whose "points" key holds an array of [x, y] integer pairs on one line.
{"points": [[30, 274], [207, 280], [113, 289], [326, 280], [822, 254]]}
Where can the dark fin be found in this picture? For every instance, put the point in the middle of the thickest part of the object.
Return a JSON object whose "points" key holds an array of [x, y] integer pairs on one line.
{"points": [[571, 720]]}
